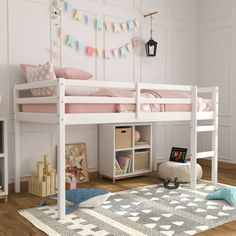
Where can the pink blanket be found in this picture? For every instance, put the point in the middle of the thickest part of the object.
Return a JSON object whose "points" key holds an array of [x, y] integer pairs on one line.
{"points": [[202, 104]]}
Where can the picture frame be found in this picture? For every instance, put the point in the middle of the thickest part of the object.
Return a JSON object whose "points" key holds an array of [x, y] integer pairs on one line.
{"points": [[76, 163], [178, 154]]}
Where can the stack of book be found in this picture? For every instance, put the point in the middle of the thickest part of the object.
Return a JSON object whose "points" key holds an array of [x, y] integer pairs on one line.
{"points": [[123, 164], [142, 143]]}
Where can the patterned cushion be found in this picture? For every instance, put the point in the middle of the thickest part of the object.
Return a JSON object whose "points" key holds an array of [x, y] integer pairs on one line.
{"points": [[65, 72], [39, 73]]}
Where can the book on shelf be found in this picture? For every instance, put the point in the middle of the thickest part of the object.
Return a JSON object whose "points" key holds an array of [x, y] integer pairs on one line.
{"points": [[141, 143], [123, 163]]}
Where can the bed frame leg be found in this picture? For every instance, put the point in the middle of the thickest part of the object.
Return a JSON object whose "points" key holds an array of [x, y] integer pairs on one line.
{"points": [[61, 171], [214, 162], [193, 163], [17, 157], [61, 128]]}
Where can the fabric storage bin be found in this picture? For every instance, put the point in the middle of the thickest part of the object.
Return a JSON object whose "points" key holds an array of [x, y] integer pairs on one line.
{"points": [[141, 160], [123, 137]]}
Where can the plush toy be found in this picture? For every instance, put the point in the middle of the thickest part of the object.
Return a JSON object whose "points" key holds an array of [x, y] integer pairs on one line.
{"points": [[83, 197], [137, 136]]}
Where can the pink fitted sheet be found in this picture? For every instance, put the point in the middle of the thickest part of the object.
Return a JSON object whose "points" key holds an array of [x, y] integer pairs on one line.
{"points": [[202, 104]]}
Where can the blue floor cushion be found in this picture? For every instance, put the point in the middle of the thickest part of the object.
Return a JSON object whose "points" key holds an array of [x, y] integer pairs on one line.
{"points": [[82, 197], [227, 193]]}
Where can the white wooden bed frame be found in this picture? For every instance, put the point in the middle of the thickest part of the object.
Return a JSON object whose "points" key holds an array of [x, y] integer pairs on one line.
{"points": [[61, 119]]}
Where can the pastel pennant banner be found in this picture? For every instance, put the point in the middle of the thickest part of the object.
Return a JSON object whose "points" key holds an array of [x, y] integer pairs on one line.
{"points": [[115, 27], [90, 51]]}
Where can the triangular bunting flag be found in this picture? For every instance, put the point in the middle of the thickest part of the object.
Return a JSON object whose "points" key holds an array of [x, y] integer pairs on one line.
{"points": [[88, 20], [68, 7], [130, 25], [137, 23], [99, 52], [107, 54], [99, 24], [70, 41], [129, 47], [123, 51], [90, 51], [116, 27], [108, 26], [62, 33], [80, 46], [135, 41], [124, 26], [77, 15]]}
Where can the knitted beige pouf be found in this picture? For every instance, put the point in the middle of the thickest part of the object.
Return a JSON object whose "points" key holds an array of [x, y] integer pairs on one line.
{"points": [[173, 169]]}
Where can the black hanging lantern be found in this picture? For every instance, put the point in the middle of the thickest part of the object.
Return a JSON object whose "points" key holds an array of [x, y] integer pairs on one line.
{"points": [[151, 45]]}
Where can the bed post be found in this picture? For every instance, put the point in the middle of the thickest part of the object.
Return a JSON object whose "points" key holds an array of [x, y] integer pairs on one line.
{"points": [[214, 168], [61, 148], [17, 143], [193, 163]]}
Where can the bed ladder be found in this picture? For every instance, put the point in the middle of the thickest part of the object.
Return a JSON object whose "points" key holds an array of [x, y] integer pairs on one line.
{"points": [[195, 129]]}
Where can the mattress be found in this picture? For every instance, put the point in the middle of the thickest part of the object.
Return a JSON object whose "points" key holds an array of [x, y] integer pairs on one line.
{"points": [[202, 104]]}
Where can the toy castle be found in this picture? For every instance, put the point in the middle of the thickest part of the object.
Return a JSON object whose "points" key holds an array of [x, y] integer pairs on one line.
{"points": [[43, 182]]}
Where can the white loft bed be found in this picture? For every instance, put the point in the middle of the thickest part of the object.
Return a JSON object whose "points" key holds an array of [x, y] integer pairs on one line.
{"points": [[62, 119]]}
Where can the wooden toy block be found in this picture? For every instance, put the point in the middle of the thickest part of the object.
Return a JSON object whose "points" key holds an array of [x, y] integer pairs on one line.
{"points": [[43, 181], [44, 190], [48, 185], [52, 183]]}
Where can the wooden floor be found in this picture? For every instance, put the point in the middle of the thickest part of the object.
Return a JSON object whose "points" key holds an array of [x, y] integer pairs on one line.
{"points": [[11, 223]]}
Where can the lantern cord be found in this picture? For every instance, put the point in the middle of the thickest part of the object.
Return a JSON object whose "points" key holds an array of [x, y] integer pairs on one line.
{"points": [[151, 17]]}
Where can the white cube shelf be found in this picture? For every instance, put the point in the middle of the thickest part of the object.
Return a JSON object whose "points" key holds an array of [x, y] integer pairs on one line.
{"points": [[117, 154]]}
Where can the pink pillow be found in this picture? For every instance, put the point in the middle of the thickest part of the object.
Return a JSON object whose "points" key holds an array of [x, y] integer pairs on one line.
{"points": [[25, 66], [39, 73], [72, 73], [66, 73]]}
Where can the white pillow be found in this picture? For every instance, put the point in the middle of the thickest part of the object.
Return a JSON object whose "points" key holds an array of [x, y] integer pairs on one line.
{"points": [[40, 73]]}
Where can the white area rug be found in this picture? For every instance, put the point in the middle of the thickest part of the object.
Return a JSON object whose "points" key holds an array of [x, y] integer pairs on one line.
{"points": [[150, 210]]}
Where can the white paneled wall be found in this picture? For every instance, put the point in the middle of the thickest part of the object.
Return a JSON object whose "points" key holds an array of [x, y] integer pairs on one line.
{"points": [[26, 35], [217, 58]]}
